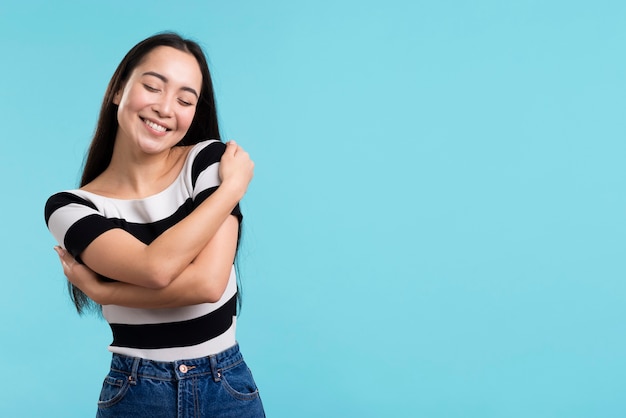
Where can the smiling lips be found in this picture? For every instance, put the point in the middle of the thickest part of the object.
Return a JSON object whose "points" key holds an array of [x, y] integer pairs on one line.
{"points": [[155, 126]]}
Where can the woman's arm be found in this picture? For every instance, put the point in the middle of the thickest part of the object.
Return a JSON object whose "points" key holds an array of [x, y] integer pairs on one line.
{"points": [[204, 280], [120, 256]]}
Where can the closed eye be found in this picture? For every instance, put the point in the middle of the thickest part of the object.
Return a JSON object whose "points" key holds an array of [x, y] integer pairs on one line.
{"points": [[184, 102], [150, 88]]}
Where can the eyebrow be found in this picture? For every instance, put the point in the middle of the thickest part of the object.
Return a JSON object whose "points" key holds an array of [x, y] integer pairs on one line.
{"points": [[165, 80]]}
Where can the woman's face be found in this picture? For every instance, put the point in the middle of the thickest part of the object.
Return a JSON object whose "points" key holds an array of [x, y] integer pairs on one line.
{"points": [[158, 101]]}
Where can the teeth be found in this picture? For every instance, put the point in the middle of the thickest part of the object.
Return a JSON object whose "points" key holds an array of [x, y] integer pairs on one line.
{"points": [[155, 126]]}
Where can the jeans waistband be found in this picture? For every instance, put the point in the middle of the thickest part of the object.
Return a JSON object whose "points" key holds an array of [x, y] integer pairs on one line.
{"points": [[137, 368]]}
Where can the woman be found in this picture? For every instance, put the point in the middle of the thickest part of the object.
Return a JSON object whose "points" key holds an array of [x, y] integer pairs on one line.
{"points": [[151, 236]]}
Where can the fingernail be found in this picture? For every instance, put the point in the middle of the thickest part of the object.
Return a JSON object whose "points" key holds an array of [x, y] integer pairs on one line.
{"points": [[60, 251]]}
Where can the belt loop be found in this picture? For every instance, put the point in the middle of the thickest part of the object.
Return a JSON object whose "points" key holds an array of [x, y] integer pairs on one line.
{"points": [[217, 374], [133, 373]]}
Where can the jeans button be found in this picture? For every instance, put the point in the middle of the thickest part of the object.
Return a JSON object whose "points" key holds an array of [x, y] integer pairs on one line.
{"points": [[183, 368]]}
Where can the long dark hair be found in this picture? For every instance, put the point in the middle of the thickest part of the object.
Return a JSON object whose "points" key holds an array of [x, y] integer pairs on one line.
{"points": [[204, 124]]}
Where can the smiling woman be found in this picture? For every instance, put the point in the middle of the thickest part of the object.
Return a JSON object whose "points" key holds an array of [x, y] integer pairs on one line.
{"points": [[151, 236], [157, 104], [155, 108]]}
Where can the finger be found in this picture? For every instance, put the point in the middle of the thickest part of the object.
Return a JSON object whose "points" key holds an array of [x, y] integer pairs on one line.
{"points": [[66, 259], [231, 147]]}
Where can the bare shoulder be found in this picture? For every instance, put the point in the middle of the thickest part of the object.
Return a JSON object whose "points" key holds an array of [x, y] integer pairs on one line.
{"points": [[97, 186]]}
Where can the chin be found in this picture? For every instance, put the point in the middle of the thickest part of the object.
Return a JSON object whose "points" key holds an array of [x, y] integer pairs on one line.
{"points": [[155, 146]]}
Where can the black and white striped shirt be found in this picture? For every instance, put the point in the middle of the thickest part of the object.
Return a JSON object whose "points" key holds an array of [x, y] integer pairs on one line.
{"points": [[77, 217]]}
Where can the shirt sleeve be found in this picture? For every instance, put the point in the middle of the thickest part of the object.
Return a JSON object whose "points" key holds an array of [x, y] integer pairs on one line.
{"points": [[205, 177], [75, 222]]}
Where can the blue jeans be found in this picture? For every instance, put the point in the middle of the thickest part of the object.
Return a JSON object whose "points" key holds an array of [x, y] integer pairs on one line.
{"points": [[216, 386]]}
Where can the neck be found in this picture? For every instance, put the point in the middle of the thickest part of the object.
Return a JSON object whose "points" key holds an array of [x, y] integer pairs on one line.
{"points": [[136, 174]]}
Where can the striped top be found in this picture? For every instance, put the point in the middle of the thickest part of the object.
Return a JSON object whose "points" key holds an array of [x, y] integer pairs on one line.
{"points": [[76, 217]]}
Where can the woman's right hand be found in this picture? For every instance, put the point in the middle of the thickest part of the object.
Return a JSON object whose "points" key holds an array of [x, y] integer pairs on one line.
{"points": [[236, 168]]}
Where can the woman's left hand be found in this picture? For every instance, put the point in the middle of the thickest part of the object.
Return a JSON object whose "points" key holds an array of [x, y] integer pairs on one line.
{"points": [[78, 274]]}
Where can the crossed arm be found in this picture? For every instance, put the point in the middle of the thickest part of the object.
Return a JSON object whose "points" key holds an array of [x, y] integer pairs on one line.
{"points": [[203, 280], [189, 263]]}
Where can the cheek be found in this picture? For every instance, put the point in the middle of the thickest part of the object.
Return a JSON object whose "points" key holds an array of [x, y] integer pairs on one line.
{"points": [[134, 98], [187, 118], [125, 105]]}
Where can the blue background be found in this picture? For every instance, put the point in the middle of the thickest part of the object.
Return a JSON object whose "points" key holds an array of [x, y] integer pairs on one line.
{"points": [[436, 226]]}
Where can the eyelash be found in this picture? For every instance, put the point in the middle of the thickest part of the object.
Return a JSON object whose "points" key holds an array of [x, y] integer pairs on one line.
{"points": [[150, 88], [155, 90]]}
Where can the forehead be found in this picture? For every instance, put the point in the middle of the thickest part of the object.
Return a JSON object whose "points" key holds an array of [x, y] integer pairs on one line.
{"points": [[179, 67]]}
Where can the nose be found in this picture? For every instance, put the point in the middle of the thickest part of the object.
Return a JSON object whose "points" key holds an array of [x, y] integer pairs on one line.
{"points": [[163, 107]]}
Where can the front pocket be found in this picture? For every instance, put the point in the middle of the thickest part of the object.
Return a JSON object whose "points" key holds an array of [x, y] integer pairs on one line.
{"points": [[239, 383], [113, 390]]}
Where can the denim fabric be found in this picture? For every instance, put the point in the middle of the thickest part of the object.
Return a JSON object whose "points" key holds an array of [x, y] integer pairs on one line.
{"points": [[216, 386]]}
